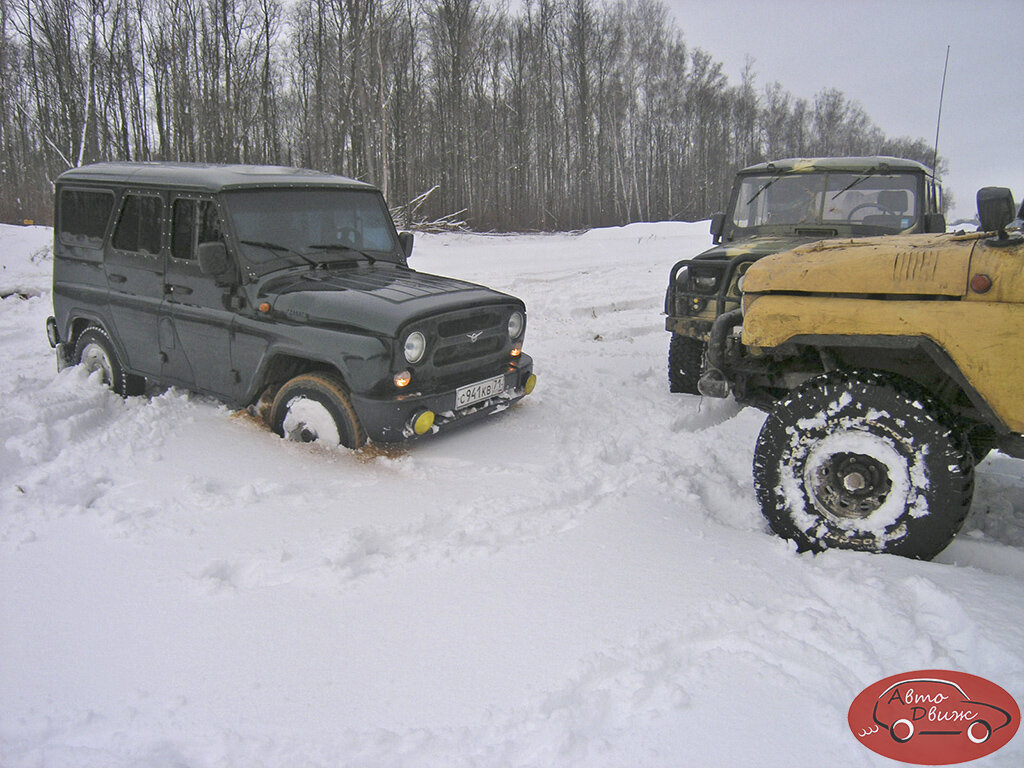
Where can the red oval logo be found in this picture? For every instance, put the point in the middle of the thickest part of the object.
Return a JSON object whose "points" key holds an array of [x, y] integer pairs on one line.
{"points": [[934, 717]]}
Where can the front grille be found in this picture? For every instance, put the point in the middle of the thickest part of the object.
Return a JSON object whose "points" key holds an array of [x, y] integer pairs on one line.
{"points": [[468, 339], [461, 352], [469, 324]]}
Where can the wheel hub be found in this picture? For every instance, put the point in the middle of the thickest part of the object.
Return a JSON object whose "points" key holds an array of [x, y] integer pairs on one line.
{"points": [[851, 485], [94, 358], [309, 421]]}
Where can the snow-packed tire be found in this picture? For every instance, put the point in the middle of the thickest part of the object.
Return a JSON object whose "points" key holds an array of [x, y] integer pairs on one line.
{"points": [[863, 460], [685, 360], [95, 350], [316, 406]]}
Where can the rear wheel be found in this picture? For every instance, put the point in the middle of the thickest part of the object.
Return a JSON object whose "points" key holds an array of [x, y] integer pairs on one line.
{"points": [[316, 407], [95, 351], [866, 461], [685, 360]]}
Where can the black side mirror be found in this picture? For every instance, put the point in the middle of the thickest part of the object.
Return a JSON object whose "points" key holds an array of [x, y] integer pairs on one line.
{"points": [[934, 223], [995, 208], [405, 239], [717, 226], [213, 259]]}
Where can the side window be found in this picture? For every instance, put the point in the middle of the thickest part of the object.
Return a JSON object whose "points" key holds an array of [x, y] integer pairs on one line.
{"points": [[83, 216], [139, 227], [195, 222]]}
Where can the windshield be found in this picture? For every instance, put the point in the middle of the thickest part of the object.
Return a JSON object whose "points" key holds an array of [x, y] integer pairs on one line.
{"points": [[311, 226], [881, 202]]}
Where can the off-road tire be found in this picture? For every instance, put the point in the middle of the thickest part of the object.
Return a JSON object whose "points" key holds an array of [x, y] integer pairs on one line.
{"points": [[95, 349], [685, 361], [863, 460], [329, 391]]}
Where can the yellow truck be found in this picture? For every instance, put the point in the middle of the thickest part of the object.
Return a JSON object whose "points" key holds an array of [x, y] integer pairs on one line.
{"points": [[888, 367]]}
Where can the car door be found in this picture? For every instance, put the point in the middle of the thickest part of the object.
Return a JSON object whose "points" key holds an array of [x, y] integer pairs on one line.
{"points": [[195, 324], [133, 264]]}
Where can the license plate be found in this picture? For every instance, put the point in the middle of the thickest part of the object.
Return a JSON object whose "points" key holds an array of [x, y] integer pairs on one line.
{"points": [[474, 393]]}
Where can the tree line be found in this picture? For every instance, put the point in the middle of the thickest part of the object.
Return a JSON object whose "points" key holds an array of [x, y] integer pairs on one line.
{"points": [[559, 114]]}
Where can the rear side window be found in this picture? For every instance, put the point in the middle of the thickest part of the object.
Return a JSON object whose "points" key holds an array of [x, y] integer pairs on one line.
{"points": [[83, 216], [195, 222], [139, 227]]}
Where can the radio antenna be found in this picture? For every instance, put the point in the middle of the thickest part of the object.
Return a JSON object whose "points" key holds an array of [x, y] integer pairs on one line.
{"points": [[938, 121]]}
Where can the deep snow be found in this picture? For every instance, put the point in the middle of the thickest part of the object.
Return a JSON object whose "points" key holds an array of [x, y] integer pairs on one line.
{"points": [[584, 580]]}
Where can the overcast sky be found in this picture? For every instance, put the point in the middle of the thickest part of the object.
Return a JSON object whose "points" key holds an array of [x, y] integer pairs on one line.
{"points": [[888, 57]]}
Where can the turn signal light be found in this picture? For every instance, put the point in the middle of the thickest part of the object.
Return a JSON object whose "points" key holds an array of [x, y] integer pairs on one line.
{"points": [[402, 379], [981, 283], [517, 350]]}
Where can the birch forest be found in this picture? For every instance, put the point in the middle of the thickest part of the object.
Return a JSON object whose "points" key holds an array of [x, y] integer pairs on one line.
{"points": [[542, 115]]}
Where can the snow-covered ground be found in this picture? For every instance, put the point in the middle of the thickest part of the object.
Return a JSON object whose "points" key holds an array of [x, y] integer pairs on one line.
{"points": [[585, 580]]}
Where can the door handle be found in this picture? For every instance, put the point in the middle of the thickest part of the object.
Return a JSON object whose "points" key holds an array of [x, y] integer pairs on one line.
{"points": [[177, 290], [117, 278]]}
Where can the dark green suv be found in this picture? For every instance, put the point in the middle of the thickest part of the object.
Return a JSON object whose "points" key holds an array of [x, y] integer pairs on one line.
{"points": [[780, 205], [279, 287]]}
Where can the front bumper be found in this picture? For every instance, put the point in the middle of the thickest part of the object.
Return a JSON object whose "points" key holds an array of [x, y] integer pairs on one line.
{"points": [[391, 420]]}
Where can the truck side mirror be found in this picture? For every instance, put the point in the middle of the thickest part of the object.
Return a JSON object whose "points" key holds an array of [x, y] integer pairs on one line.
{"points": [[995, 208], [213, 259], [934, 223], [717, 226], [405, 239]]}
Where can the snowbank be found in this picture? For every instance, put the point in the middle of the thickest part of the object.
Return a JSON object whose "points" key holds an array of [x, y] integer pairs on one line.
{"points": [[583, 581]]}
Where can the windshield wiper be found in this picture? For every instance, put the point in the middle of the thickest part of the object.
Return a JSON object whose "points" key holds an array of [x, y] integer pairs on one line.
{"points": [[855, 182], [339, 247], [765, 186], [282, 249]]}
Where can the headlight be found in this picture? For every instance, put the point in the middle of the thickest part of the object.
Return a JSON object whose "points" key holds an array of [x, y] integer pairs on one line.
{"points": [[706, 284], [515, 324], [415, 346]]}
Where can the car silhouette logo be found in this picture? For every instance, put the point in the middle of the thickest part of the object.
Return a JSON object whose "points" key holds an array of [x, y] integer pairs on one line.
{"points": [[927, 717], [936, 708]]}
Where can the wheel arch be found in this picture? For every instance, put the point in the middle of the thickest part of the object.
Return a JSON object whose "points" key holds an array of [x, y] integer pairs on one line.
{"points": [[280, 366], [78, 323], [889, 354]]}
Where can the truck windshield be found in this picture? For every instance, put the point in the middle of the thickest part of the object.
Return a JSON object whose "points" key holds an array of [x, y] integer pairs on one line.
{"points": [[311, 226], [880, 202]]}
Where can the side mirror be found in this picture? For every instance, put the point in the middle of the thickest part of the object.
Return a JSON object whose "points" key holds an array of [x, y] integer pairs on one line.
{"points": [[405, 239], [717, 226], [995, 208], [934, 223], [213, 259]]}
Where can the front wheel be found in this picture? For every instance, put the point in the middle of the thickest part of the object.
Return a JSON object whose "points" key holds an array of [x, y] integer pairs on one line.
{"points": [[316, 407], [685, 360], [865, 461]]}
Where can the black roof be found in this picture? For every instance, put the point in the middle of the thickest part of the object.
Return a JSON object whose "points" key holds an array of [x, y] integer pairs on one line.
{"points": [[206, 177]]}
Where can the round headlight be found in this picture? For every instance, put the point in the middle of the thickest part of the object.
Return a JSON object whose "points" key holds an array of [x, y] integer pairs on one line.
{"points": [[515, 324], [415, 346]]}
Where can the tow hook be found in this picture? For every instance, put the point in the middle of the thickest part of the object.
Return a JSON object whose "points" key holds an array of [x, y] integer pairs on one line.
{"points": [[713, 384]]}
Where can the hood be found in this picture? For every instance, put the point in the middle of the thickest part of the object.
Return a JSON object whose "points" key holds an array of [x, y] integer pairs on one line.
{"points": [[923, 265], [375, 299], [761, 245]]}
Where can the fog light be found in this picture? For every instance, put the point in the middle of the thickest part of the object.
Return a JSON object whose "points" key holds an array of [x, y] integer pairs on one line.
{"points": [[402, 379], [423, 422], [517, 350], [531, 382]]}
